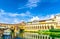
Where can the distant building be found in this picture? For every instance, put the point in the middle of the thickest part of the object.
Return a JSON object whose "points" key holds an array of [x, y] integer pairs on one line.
{"points": [[43, 24], [40, 25]]}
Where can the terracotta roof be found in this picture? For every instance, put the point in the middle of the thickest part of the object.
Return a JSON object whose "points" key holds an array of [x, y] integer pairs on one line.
{"points": [[45, 20]]}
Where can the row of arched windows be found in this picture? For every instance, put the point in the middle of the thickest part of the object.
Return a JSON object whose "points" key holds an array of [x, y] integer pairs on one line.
{"points": [[41, 26]]}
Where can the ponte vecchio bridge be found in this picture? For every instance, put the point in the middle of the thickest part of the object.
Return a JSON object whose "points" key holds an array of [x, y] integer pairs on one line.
{"points": [[14, 27]]}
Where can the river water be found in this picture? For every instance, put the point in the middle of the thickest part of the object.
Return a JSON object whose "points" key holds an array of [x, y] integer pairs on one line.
{"points": [[29, 35]]}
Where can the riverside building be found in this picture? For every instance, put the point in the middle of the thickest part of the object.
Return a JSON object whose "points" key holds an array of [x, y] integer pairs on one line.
{"points": [[53, 23]]}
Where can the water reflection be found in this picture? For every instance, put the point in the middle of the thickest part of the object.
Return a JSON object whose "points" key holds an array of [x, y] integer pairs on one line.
{"points": [[28, 35], [7, 37]]}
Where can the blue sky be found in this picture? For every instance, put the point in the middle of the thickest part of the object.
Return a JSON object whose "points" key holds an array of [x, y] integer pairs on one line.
{"points": [[16, 11]]}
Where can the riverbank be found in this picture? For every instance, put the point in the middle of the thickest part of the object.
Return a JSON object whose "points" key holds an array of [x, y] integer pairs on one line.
{"points": [[51, 32], [54, 32]]}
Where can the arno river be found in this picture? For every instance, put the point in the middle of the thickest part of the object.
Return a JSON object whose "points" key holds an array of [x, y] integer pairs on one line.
{"points": [[28, 35]]}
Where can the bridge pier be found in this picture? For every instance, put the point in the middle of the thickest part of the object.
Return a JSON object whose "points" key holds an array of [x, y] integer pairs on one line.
{"points": [[1, 32]]}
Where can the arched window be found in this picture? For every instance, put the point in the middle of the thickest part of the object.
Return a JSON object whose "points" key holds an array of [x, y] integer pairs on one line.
{"points": [[48, 27], [52, 27]]}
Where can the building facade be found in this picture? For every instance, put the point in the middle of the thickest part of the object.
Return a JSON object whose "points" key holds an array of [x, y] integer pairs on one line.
{"points": [[53, 23], [40, 25]]}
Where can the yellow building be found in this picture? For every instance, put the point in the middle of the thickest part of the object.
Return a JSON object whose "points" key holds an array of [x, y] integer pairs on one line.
{"points": [[40, 25], [43, 24]]}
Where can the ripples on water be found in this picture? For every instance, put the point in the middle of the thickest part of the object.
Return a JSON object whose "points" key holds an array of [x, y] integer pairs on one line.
{"points": [[28, 35], [9, 37]]}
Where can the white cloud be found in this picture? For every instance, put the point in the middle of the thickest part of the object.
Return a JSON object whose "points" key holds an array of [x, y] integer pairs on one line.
{"points": [[35, 18], [42, 17], [27, 13], [4, 20], [31, 4], [16, 21], [47, 17], [2, 12], [52, 16], [13, 15], [7, 17]]}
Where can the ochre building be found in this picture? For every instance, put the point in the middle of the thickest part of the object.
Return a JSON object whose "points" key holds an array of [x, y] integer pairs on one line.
{"points": [[52, 23]]}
